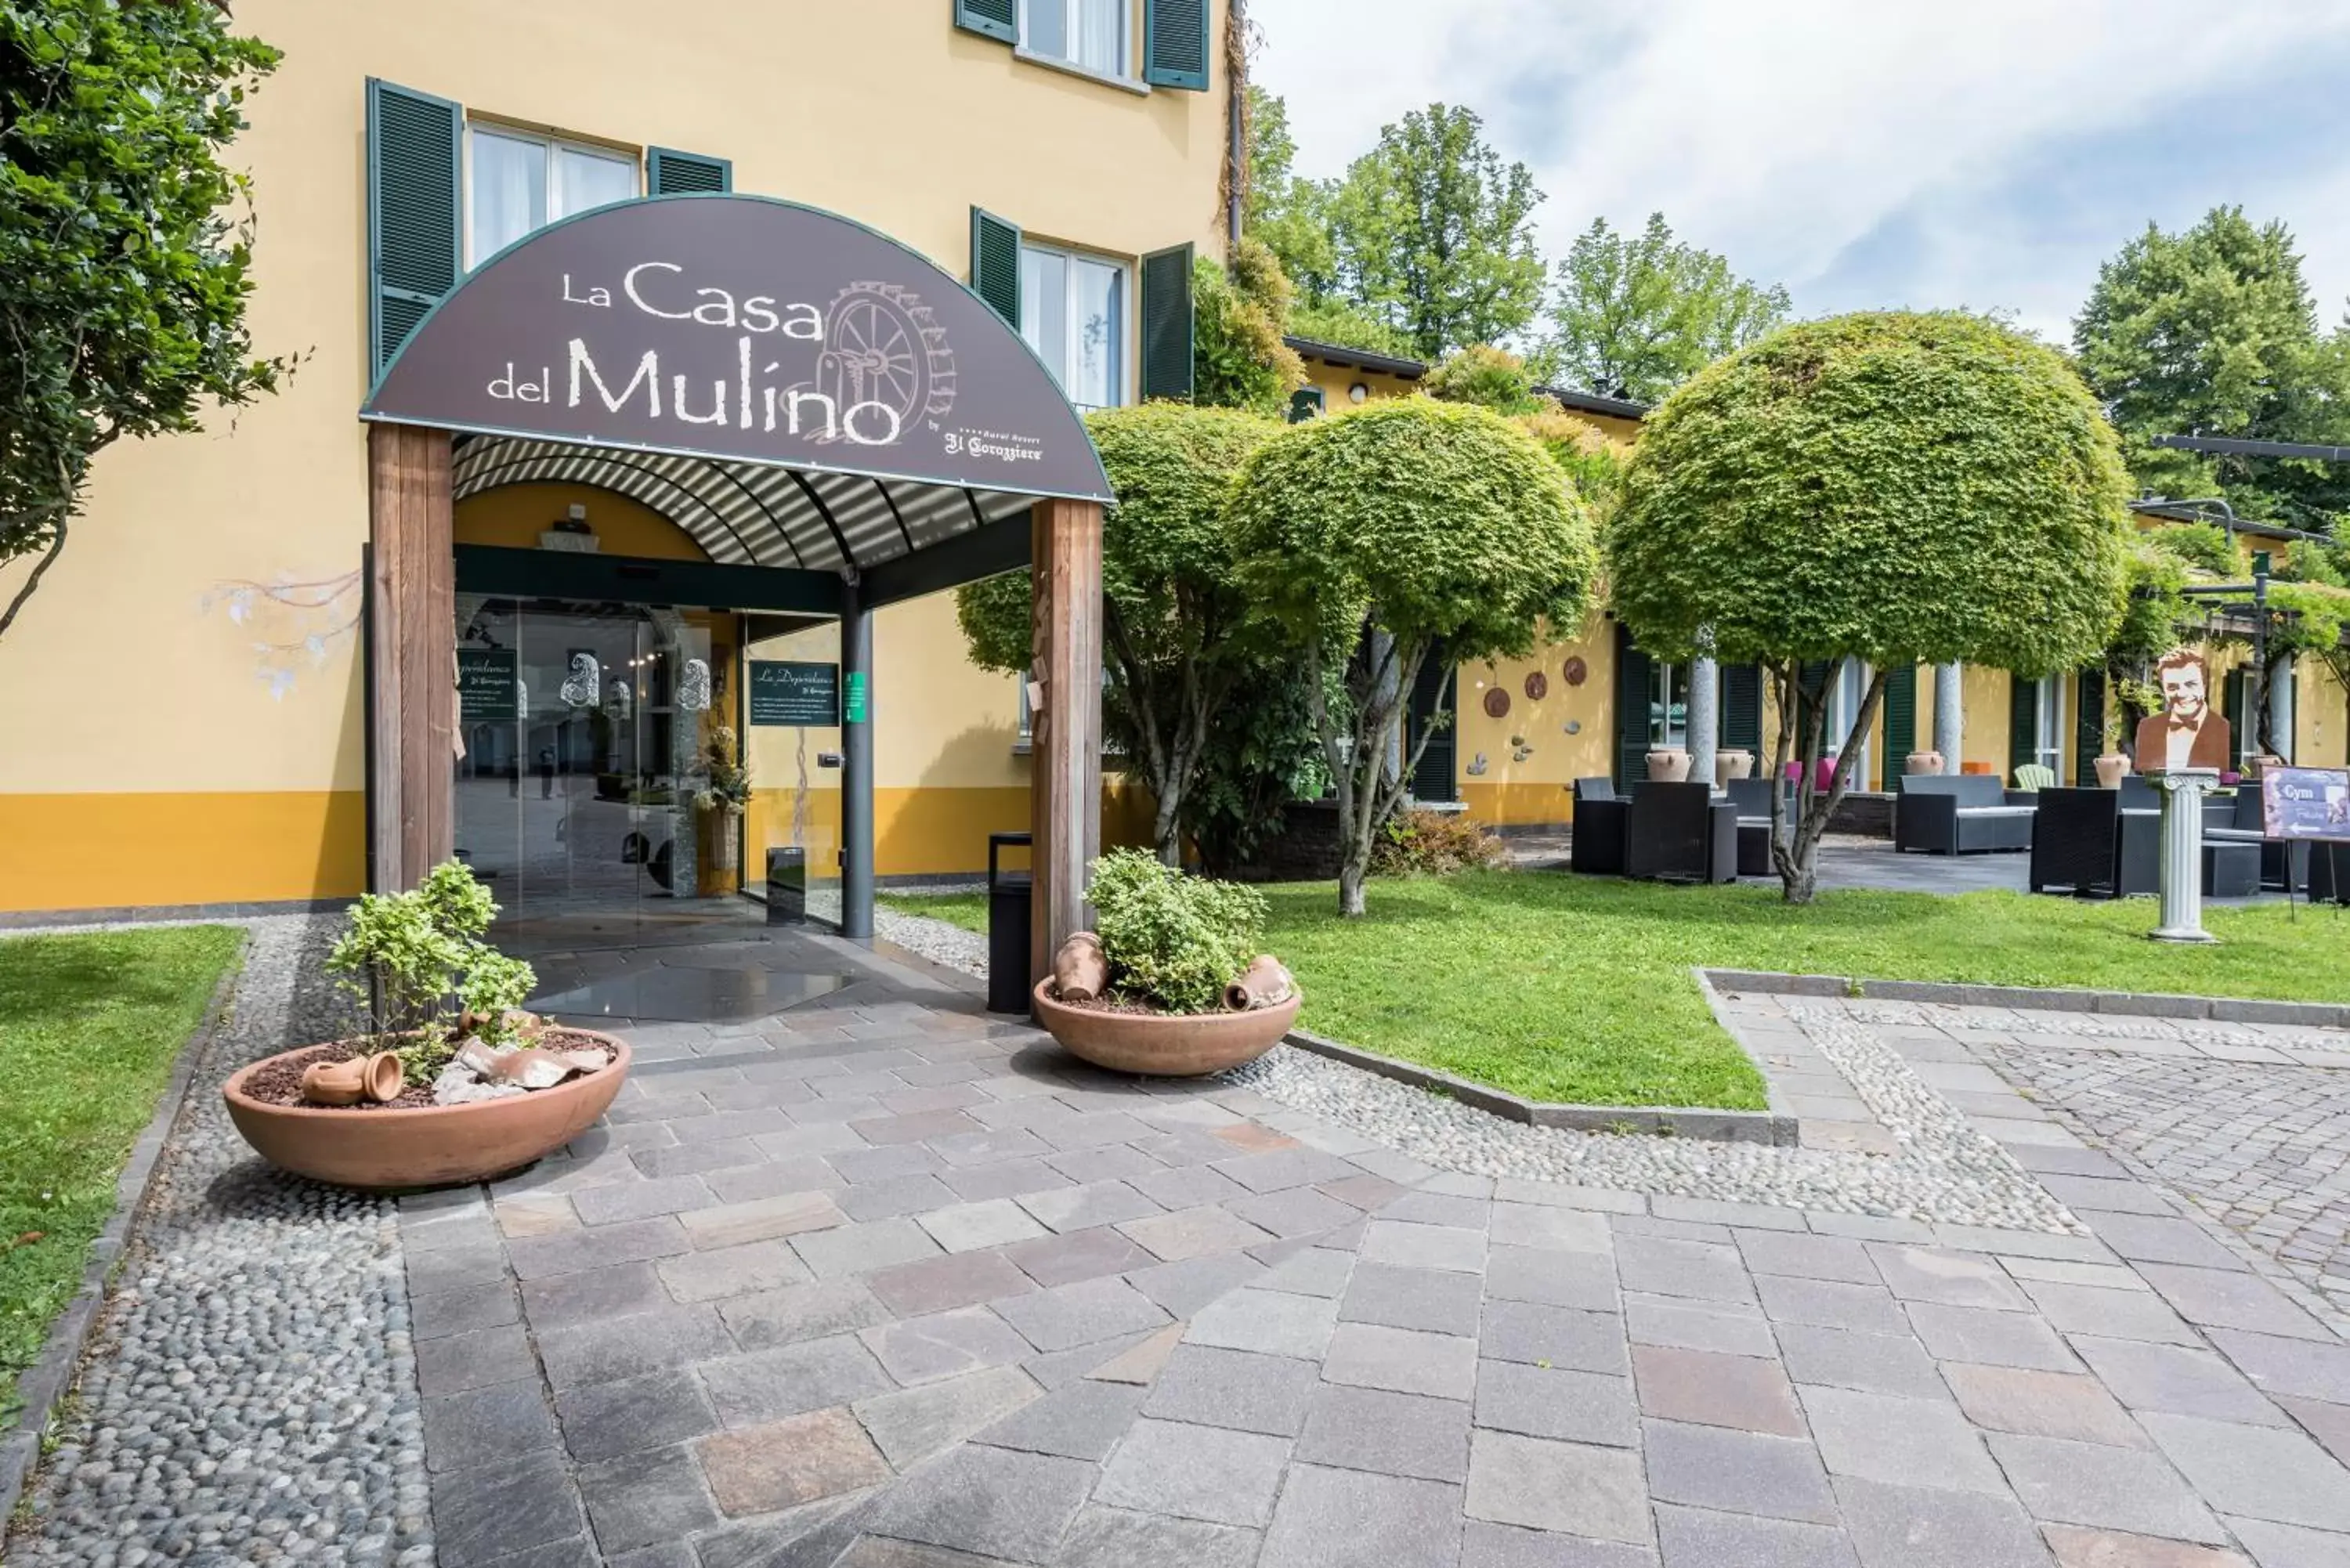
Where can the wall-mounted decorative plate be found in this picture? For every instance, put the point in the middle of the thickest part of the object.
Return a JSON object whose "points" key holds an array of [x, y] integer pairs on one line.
{"points": [[1537, 686], [1497, 702], [1577, 672]]}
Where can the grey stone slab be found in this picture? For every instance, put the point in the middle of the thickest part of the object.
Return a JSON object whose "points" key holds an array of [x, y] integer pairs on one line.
{"points": [[1100, 1537], [1806, 1257], [798, 1313], [2177, 1380], [485, 1426], [1993, 1338], [1573, 1488], [915, 1423], [2329, 1424], [1554, 1337], [1667, 1266], [1109, 1162], [474, 1359], [480, 1262], [1315, 1272], [1080, 1420], [1720, 1212], [1433, 1300], [968, 1227], [848, 1250], [1076, 1256], [2089, 1195], [1946, 1277], [623, 1200], [605, 1420], [1294, 1212], [2042, 1403], [769, 1385], [1926, 1527], [1086, 1312], [1699, 1325], [990, 1502], [943, 1344], [892, 1197], [1549, 1228], [942, 1284], [1415, 1246], [1830, 1303], [1401, 1360], [2289, 1546], [1432, 1208], [2115, 1314], [1235, 1388], [694, 1158], [606, 1351], [1391, 1434], [727, 1272], [647, 1497], [2219, 1298], [462, 1310], [1273, 1323], [2258, 1472], [593, 1295], [1550, 1402], [1195, 1472], [1583, 1280], [1331, 1517], [1484, 1545], [1183, 1288], [2162, 1239], [1737, 1472], [1716, 1390], [1187, 1187], [2062, 1482], [1902, 1442], [1275, 1169], [1877, 1363], [1193, 1233], [495, 1511]]}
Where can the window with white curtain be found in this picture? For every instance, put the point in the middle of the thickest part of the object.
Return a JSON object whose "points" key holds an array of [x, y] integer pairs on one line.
{"points": [[1087, 33], [517, 183], [1072, 313]]}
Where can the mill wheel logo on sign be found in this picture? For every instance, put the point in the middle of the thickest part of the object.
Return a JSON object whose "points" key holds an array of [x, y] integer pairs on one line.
{"points": [[741, 327]]}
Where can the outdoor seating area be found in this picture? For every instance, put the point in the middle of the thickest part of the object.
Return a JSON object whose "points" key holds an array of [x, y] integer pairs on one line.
{"points": [[1943, 814]]}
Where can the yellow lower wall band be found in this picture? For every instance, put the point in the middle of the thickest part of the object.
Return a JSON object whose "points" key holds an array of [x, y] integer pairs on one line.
{"points": [[112, 851]]}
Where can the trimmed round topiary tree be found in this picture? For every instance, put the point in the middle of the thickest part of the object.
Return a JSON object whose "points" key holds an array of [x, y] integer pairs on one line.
{"points": [[1373, 534], [1890, 487]]}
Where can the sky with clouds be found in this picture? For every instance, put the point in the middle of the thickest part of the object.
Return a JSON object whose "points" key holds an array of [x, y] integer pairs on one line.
{"points": [[1864, 152]]}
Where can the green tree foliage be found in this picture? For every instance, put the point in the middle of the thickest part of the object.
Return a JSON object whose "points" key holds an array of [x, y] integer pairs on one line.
{"points": [[1433, 234], [1488, 376], [2213, 332], [1895, 488], [1172, 940], [404, 956], [1177, 622], [1636, 316], [1344, 323], [1380, 530], [1288, 213], [1238, 358], [123, 274]]}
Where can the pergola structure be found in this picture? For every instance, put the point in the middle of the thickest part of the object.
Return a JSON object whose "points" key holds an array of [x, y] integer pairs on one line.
{"points": [[838, 422]]}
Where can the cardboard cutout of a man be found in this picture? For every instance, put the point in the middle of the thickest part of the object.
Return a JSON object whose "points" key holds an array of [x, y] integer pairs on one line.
{"points": [[2187, 733]]}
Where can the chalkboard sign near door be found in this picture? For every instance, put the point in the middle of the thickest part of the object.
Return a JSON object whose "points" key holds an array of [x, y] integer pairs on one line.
{"points": [[785, 692], [487, 684]]}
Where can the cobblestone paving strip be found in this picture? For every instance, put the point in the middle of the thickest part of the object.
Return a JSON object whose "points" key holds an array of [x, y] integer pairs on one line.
{"points": [[251, 1394]]}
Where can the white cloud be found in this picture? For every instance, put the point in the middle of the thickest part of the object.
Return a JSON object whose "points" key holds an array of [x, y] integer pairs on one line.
{"points": [[1786, 134]]}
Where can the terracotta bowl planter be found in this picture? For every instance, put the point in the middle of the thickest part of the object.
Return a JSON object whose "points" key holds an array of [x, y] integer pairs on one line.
{"points": [[1166, 1044], [424, 1146]]}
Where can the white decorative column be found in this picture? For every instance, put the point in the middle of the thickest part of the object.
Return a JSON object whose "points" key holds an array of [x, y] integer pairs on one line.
{"points": [[2183, 790], [1704, 717], [1950, 714]]}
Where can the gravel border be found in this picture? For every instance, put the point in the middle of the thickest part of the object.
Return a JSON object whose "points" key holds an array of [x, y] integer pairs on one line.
{"points": [[43, 1384]]}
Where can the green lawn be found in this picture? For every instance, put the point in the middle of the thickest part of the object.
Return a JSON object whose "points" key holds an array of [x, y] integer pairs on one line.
{"points": [[89, 1026], [1577, 988]]}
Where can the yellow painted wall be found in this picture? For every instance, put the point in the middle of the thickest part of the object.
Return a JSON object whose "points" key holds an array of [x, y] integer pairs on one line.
{"points": [[513, 516], [1538, 788], [211, 591], [1336, 379], [2320, 720]]}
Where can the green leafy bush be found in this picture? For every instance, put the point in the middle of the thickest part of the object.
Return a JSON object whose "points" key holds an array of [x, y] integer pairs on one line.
{"points": [[1491, 378], [2203, 545], [415, 964], [1172, 940], [1434, 843]]}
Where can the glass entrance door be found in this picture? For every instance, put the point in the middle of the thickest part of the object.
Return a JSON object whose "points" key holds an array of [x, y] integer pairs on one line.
{"points": [[584, 732]]}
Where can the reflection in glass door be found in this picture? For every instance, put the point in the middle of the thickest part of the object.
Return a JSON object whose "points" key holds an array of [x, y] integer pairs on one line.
{"points": [[584, 731]]}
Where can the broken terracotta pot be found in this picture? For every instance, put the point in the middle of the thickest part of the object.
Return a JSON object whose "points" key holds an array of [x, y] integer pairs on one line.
{"points": [[378, 1077], [1264, 983], [1081, 970]]}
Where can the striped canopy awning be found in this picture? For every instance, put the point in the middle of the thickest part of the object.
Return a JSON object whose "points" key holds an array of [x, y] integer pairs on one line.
{"points": [[750, 513]]}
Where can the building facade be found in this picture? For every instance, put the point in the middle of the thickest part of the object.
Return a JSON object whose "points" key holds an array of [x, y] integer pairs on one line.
{"points": [[1062, 156]]}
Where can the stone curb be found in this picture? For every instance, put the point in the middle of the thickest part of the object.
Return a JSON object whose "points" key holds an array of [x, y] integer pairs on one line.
{"points": [[2131, 1004], [45, 1382], [1771, 1127]]}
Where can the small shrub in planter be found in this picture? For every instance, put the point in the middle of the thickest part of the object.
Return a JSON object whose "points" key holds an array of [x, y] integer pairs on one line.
{"points": [[415, 965], [1434, 843], [1174, 942]]}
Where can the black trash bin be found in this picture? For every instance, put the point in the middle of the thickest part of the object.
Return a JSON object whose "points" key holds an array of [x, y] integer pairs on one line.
{"points": [[787, 886], [1010, 945]]}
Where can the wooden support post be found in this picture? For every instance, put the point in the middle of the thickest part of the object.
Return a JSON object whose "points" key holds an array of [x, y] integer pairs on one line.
{"points": [[1065, 791], [412, 650]]}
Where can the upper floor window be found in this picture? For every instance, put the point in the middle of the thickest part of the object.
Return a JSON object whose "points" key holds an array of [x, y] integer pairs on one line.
{"points": [[1087, 33], [517, 182], [1072, 313]]}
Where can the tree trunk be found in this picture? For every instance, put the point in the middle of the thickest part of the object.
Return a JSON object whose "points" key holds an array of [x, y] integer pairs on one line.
{"points": [[1166, 829], [1803, 880], [1351, 874]]}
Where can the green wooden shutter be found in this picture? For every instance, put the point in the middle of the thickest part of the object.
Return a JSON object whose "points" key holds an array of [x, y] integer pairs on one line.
{"points": [[995, 264], [673, 173], [1811, 679], [1900, 717], [1742, 710], [415, 243], [989, 19], [2240, 743], [2089, 727], [1305, 403], [1633, 673], [1175, 43], [1166, 324], [2022, 723]]}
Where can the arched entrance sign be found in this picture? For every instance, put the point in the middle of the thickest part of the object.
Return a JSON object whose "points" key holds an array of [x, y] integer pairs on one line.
{"points": [[740, 327]]}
